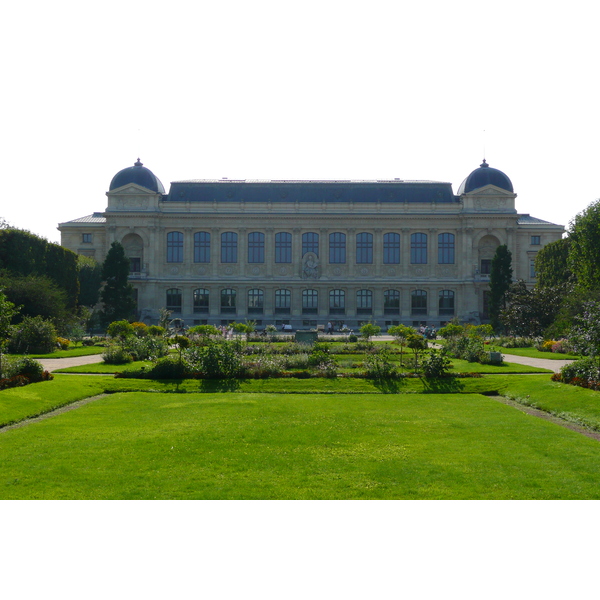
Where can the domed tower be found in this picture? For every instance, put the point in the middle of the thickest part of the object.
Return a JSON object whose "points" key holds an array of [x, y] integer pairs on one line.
{"points": [[139, 175], [487, 190]]}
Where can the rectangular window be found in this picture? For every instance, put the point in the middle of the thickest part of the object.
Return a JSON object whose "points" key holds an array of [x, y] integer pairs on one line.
{"points": [[283, 247], [310, 302], [86, 238], [446, 249], [535, 240], [486, 266], [228, 301], [418, 249], [391, 249], [337, 248], [364, 248], [364, 302], [174, 300], [201, 297], [446, 303], [256, 247], [391, 302], [310, 243], [202, 247], [532, 273], [337, 302], [283, 302], [229, 247], [135, 265], [175, 247]]}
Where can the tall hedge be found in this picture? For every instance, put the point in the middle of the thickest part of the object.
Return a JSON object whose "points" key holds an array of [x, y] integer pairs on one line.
{"points": [[23, 254]]}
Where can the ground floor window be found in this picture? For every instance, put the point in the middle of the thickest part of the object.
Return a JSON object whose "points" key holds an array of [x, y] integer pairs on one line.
{"points": [[418, 302], [201, 297], [446, 303], [337, 302], [174, 300], [228, 304]]}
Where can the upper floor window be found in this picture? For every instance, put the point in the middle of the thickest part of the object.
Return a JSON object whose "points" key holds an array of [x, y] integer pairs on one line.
{"points": [[532, 273], [337, 248], [446, 248], [202, 247], [283, 247], [364, 248], [310, 243], [391, 249], [201, 297], [256, 247], [135, 264], [86, 238], [174, 300], [536, 240], [486, 266], [175, 247], [418, 249], [229, 243]]}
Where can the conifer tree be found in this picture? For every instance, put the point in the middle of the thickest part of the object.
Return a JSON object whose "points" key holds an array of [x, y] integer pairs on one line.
{"points": [[117, 293], [500, 280]]}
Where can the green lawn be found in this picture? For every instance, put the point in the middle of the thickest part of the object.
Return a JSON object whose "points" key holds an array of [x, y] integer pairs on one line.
{"points": [[71, 352], [274, 446], [533, 353]]}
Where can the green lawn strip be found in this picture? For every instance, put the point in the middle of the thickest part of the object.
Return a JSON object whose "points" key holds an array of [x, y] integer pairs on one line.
{"points": [[250, 446], [35, 399], [533, 353], [463, 366], [575, 404], [104, 369], [72, 352]]}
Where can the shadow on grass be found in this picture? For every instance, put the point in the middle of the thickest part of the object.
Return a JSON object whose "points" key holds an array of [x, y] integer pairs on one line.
{"points": [[442, 385], [389, 386], [208, 386]]}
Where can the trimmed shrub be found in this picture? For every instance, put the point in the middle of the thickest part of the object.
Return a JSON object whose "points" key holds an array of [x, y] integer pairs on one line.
{"points": [[436, 364], [115, 355], [169, 367], [33, 335]]}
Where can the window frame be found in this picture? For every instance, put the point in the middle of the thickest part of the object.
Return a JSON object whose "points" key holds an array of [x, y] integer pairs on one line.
{"points": [[175, 247]]}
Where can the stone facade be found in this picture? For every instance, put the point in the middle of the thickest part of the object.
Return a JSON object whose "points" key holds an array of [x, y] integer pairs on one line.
{"points": [[306, 253]]}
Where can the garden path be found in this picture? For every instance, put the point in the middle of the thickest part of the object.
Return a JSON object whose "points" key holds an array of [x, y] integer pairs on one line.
{"points": [[52, 364]]}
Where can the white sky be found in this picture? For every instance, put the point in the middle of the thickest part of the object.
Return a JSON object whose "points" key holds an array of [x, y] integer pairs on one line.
{"points": [[317, 89]]}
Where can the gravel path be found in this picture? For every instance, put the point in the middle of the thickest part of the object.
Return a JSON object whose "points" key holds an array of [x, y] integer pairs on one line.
{"points": [[52, 364]]}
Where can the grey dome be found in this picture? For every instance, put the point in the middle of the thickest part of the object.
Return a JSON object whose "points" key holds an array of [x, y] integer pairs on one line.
{"points": [[483, 176], [139, 175]]}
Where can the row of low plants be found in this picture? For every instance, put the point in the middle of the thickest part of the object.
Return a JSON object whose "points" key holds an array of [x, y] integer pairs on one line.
{"points": [[20, 371]]}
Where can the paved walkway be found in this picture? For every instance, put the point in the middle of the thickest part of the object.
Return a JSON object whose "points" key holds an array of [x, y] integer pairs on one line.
{"points": [[52, 364], [542, 363]]}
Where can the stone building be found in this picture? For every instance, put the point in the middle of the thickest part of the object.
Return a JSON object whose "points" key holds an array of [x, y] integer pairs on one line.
{"points": [[307, 252]]}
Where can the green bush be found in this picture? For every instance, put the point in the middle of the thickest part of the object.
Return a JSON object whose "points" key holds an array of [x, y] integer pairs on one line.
{"points": [[378, 365], [33, 335], [116, 355], [436, 364], [169, 367]]}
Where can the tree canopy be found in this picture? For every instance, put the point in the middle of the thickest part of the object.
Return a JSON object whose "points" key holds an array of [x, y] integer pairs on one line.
{"points": [[117, 293], [552, 264], [500, 280], [584, 247]]}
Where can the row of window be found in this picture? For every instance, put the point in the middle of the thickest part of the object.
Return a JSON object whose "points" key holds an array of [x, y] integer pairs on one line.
{"points": [[310, 301], [310, 243]]}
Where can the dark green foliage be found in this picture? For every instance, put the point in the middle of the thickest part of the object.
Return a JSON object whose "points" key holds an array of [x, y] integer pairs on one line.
{"points": [[32, 335], [169, 367], [7, 311], [37, 296], [90, 281], [116, 355], [584, 247], [436, 364], [23, 254], [117, 293], [583, 373], [552, 264], [529, 312], [216, 359], [379, 365], [500, 280], [466, 347]]}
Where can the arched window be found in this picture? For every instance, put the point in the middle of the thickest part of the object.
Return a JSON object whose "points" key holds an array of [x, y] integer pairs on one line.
{"points": [[391, 302], [310, 243], [446, 248], [175, 247], [418, 249], [364, 248], [174, 300], [310, 302], [256, 247], [446, 303], [202, 247], [364, 302], [229, 241], [391, 249], [283, 247], [256, 302], [337, 302], [228, 301], [337, 248], [418, 302], [283, 302], [201, 296]]}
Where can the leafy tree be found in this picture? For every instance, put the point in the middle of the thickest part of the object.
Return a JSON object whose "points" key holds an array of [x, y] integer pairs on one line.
{"points": [[584, 247], [204, 331], [90, 281], [500, 280], [585, 334], [120, 329], [552, 264], [7, 311], [368, 330], [32, 335], [418, 344], [401, 334], [117, 293], [530, 312]]}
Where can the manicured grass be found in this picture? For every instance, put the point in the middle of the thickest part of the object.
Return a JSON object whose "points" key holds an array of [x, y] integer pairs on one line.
{"points": [[533, 353], [104, 369], [272, 446], [71, 352]]}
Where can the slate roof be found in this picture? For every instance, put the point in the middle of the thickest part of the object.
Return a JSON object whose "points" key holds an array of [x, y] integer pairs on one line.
{"points": [[96, 217], [529, 220]]}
